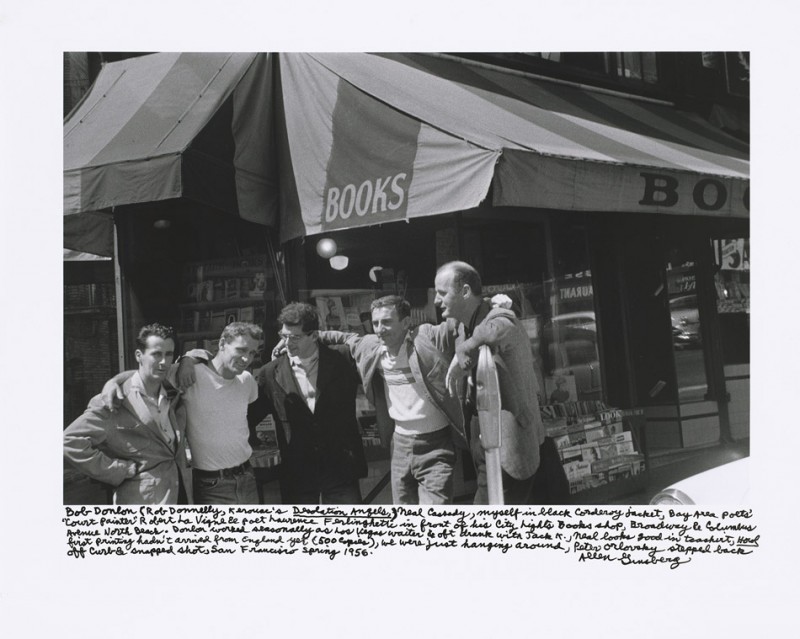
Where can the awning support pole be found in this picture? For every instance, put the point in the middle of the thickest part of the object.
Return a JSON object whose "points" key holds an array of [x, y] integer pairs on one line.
{"points": [[120, 304]]}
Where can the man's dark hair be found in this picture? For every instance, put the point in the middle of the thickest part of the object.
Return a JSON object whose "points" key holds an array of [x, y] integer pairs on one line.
{"points": [[236, 329], [154, 329], [463, 273], [401, 305], [300, 314]]}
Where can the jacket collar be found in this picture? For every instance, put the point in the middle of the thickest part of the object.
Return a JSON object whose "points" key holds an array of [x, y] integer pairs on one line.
{"points": [[478, 316], [285, 378], [133, 402]]}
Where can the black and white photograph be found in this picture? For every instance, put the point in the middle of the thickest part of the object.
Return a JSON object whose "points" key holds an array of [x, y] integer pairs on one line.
{"points": [[608, 192], [358, 309]]}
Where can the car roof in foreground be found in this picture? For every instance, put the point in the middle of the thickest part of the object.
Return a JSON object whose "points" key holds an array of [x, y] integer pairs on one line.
{"points": [[728, 484]]}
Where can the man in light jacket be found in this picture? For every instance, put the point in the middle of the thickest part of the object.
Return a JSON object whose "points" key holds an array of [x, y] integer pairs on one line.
{"points": [[139, 449], [403, 371]]}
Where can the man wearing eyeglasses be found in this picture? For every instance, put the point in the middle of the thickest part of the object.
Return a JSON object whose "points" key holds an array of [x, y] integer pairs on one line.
{"points": [[311, 392]]}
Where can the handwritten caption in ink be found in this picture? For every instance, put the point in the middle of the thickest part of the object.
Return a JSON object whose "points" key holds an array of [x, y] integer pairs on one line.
{"points": [[628, 536]]}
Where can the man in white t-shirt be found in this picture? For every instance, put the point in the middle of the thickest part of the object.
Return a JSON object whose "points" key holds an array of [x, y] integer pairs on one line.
{"points": [[216, 417]]}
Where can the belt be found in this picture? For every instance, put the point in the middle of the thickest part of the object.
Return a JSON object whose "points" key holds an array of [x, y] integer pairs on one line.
{"points": [[432, 434], [225, 472]]}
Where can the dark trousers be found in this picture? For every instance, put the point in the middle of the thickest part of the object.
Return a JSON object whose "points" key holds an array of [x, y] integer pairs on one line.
{"points": [[548, 485]]}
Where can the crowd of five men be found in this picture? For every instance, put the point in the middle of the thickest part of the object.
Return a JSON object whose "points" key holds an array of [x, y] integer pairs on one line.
{"points": [[135, 435]]}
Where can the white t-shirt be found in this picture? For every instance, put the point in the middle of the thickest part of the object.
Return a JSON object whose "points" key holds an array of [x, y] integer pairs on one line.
{"points": [[407, 397], [216, 418]]}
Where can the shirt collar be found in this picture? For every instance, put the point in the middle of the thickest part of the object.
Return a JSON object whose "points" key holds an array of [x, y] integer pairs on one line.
{"points": [[407, 340], [138, 385], [296, 360]]}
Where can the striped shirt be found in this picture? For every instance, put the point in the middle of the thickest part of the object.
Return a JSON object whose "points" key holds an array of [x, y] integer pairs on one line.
{"points": [[409, 406]]}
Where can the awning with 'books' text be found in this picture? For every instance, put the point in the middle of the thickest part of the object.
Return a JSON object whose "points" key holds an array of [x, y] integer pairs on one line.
{"points": [[320, 142], [378, 138]]}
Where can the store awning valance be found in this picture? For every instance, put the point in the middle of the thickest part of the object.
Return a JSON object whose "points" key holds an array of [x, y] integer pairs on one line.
{"points": [[368, 139], [165, 126]]}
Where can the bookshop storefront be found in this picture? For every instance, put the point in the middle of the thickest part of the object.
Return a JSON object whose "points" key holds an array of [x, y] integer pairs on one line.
{"points": [[636, 323], [626, 256], [625, 250]]}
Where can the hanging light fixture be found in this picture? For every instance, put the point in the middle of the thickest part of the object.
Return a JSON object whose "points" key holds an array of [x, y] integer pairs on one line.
{"points": [[326, 247], [339, 262], [373, 273]]}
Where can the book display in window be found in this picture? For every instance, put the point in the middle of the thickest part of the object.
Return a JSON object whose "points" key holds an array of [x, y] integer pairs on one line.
{"points": [[594, 446], [266, 453], [218, 292]]}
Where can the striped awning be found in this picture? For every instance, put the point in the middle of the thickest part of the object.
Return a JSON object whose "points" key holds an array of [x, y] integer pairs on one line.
{"points": [[377, 138], [166, 126], [330, 141]]}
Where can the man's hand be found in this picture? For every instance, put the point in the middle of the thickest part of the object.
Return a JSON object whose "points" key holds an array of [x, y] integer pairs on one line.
{"points": [[260, 375], [132, 471], [465, 357], [280, 349], [455, 373], [112, 395], [184, 376]]}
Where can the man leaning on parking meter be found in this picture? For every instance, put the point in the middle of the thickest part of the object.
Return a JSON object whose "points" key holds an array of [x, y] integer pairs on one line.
{"points": [[458, 294]]}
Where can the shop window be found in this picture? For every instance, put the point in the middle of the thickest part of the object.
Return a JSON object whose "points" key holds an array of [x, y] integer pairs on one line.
{"points": [[732, 283], [687, 337], [570, 345]]}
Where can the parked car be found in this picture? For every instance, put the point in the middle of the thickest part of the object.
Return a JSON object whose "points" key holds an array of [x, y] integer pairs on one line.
{"points": [[726, 485], [571, 349], [581, 319], [685, 322]]}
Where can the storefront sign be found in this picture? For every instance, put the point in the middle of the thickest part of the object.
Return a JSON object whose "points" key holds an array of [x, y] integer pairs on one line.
{"points": [[733, 255], [526, 179], [369, 197], [575, 292], [708, 194], [681, 281]]}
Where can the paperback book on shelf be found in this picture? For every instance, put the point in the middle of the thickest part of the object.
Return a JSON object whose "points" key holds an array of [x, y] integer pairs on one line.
{"points": [[231, 315], [231, 290]]}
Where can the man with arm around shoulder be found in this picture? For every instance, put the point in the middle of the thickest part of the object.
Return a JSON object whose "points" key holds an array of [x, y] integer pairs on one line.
{"points": [[311, 392], [215, 401], [139, 449], [403, 371]]}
